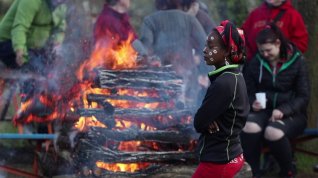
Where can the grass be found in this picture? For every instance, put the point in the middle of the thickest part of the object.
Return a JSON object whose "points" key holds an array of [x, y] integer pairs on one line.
{"points": [[7, 127], [306, 162]]}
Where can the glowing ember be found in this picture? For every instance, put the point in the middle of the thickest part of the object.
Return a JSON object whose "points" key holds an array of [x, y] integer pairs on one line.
{"points": [[131, 104], [85, 122], [119, 167], [145, 93], [41, 108]]}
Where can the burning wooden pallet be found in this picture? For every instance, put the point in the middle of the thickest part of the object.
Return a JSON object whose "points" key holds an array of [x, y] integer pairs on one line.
{"points": [[145, 124]]}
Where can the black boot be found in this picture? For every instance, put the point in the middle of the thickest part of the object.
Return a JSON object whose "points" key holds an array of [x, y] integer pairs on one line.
{"points": [[315, 168]]}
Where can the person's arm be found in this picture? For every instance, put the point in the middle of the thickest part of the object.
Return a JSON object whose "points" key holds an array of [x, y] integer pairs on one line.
{"points": [[215, 103], [302, 90], [59, 21], [24, 16], [147, 35]]}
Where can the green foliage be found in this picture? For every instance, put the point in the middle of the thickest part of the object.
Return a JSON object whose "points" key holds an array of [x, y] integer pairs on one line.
{"points": [[139, 10], [234, 10]]}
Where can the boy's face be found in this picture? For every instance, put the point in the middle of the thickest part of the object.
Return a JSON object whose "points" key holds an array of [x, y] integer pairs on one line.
{"points": [[125, 3]]}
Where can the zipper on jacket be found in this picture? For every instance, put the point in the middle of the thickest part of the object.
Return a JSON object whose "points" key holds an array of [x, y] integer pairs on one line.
{"points": [[275, 99], [202, 148]]}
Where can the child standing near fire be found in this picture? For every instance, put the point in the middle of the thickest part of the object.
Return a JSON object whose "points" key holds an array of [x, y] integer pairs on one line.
{"points": [[222, 115], [113, 26]]}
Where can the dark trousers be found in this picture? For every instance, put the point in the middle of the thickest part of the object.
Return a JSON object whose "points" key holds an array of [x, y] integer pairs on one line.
{"points": [[7, 55], [37, 64]]}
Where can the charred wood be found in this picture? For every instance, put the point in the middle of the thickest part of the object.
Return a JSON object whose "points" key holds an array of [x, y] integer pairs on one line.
{"points": [[140, 76], [138, 135], [152, 169], [110, 156], [164, 71], [99, 97], [157, 118], [138, 85], [169, 91]]}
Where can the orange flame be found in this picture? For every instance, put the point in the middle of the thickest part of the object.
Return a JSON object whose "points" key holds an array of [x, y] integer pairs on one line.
{"points": [[120, 167], [47, 102], [109, 57], [85, 122]]}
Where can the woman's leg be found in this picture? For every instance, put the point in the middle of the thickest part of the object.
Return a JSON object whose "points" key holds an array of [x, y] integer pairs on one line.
{"points": [[252, 137], [278, 134]]}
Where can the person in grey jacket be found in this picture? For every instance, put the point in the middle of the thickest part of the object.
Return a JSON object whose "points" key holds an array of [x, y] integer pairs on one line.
{"points": [[223, 112], [174, 36]]}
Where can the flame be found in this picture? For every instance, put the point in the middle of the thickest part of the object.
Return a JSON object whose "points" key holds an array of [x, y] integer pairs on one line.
{"points": [[129, 146], [131, 104], [25, 105], [107, 56], [120, 167], [123, 124], [144, 93], [48, 103], [85, 122]]}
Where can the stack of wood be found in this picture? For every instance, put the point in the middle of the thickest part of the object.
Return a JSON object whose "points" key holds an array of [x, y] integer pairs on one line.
{"points": [[171, 132]]}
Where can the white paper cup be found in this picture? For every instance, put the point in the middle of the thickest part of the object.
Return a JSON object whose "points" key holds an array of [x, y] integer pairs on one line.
{"points": [[261, 98]]}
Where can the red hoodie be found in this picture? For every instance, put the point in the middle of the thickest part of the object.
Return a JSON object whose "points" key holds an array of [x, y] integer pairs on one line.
{"points": [[291, 23], [111, 24]]}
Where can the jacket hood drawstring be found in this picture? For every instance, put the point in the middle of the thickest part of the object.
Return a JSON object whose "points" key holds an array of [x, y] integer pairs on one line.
{"points": [[260, 72]]}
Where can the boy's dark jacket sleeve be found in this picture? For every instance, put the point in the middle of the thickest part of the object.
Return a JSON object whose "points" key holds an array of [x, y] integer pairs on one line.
{"points": [[216, 102]]}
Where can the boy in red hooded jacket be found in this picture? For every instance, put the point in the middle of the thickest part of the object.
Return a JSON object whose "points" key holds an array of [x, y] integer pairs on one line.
{"points": [[285, 16]]}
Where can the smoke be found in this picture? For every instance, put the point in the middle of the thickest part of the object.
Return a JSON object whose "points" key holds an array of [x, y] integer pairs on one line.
{"points": [[3, 175], [75, 48]]}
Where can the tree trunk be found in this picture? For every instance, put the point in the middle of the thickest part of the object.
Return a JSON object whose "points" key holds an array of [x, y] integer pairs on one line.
{"points": [[309, 11]]}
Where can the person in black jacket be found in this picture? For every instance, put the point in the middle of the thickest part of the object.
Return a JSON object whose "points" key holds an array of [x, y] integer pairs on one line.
{"points": [[222, 114], [279, 70]]}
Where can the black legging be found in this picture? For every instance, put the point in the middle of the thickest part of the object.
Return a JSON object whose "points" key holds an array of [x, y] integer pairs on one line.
{"points": [[252, 142]]}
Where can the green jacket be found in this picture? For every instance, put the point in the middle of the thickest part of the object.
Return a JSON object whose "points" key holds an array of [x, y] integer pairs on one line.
{"points": [[30, 23]]}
